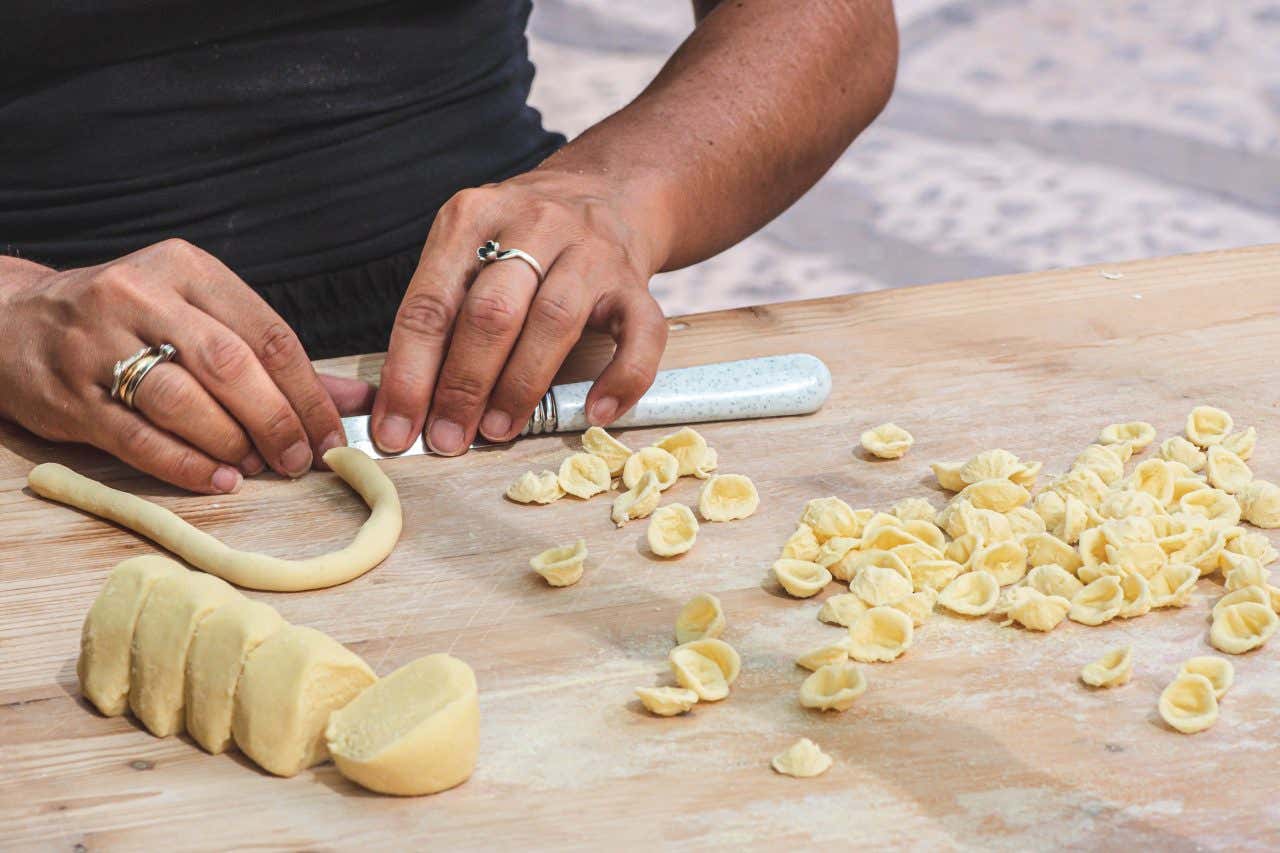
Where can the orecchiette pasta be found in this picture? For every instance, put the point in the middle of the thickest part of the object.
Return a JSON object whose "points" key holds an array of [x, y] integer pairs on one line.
{"points": [[707, 667], [1260, 503], [1178, 449], [854, 562], [918, 605], [1143, 558], [880, 634], [914, 509], [948, 475], [1155, 478], [1005, 561], [1244, 571], [1137, 595], [803, 545], [1098, 602], [1241, 443], [990, 465], [934, 574], [888, 441], [971, 594], [1172, 585], [831, 653], [802, 759], [829, 517], [727, 497], [1024, 521], [1242, 627], [1254, 545], [1226, 471], [639, 501], [1137, 434], [833, 687], [688, 447], [1219, 671], [842, 609], [598, 442], [800, 578], [876, 585], [672, 530], [1102, 461], [1258, 594], [701, 617], [531, 488], [1036, 611], [561, 566], [667, 701], [1046, 549], [663, 465], [1111, 670], [927, 532], [1188, 704], [1083, 484], [998, 495], [1052, 579], [710, 460], [1214, 504], [584, 475], [1207, 426]]}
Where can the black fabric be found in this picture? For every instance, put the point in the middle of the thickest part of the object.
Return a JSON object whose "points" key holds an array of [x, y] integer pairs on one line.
{"points": [[296, 141]]}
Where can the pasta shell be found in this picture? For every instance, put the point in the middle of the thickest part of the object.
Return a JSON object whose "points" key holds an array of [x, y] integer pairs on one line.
{"points": [[1227, 471], [1102, 461], [1143, 558], [962, 548], [997, 495], [1207, 426], [672, 530], [1188, 704], [1242, 627], [1111, 670], [1155, 478], [802, 759], [1005, 561], [561, 566], [918, 605], [710, 461], [880, 634], [948, 475], [1137, 595], [663, 465], [1127, 504], [1219, 671], [877, 586], [990, 465], [1082, 484], [1241, 443], [1026, 473], [887, 441], [531, 488], [707, 667], [833, 687], [934, 574], [1254, 545], [1260, 504], [801, 579], [667, 701], [927, 532], [1137, 434], [1258, 594], [815, 659], [688, 447], [853, 563], [1178, 449], [914, 509], [829, 517], [584, 475], [836, 549], [614, 453], [971, 594], [637, 502], [1023, 521], [886, 537], [1245, 571], [728, 497], [701, 617], [1044, 549], [1098, 602], [842, 609], [1036, 611], [1172, 586], [802, 544], [1052, 579], [1216, 505]]}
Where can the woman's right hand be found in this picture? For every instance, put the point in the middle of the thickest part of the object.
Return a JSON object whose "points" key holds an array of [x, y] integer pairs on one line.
{"points": [[240, 394]]}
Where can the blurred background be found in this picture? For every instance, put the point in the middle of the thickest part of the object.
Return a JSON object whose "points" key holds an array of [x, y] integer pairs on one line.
{"points": [[1023, 135]]}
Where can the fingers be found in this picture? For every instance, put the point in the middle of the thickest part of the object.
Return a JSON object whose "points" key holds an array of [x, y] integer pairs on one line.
{"points": [[555, 321], [488, 325], [638, 326], [173, 400], [131, 438], [350, 396], [426, 317]]}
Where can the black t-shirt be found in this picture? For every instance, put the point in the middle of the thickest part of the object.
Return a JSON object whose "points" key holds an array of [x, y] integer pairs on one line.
{"points": [[289, 139]]}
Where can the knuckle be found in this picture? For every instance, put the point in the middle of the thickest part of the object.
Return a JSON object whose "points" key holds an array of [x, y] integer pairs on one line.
{"points": [[492, 314], [165, 392], [186, 467], [636, 376], [279, 347], [179, 249], [467, 204], [556, 310], [425, 314], [280, 425], [226, 358], [522, 389], [136, 439], [461, 391]]}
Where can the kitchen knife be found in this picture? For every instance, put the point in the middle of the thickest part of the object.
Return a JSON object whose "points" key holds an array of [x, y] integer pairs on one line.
{"points": [[767, 387]]}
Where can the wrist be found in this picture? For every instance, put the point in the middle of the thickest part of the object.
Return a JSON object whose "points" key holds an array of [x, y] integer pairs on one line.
{"points": [[17, 274]]}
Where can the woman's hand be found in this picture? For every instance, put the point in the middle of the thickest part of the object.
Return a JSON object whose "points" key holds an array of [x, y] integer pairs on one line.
{"points": [[240, 392], [475, 347]]}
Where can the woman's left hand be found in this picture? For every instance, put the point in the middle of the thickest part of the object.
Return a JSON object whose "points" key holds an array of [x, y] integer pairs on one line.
{"points": [[475, 346]]}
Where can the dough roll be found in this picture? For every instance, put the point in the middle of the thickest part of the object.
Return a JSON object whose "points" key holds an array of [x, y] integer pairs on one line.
{"points": [[375, 540]]}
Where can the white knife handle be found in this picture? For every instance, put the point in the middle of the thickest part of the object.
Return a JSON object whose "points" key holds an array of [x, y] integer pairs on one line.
{"points": [[768, 387]]}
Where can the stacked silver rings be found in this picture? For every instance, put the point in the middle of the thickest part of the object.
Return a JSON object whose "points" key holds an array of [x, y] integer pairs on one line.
{"points": [[128, 373]]}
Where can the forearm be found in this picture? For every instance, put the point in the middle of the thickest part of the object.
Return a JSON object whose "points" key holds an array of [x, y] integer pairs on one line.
{"points": [[751, 110]]}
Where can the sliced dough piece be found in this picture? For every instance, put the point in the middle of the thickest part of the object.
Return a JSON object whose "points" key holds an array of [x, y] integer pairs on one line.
{"points": [[887, 441], [1243, 627], [1052, 579], [688, 447], [803, 545], [672, 530], [106, 640], [701, 617], [728, 497], [1242, 443], [833, 687], [531, 488], [971, 594], [1219, 671], [1178, 449], [614, 453], [161, 641], [815, 659], [1137, 434], [800, 578], [663, 465], [842, 609], [1260, 504], [707, 667], [1172, 586], [1098, 602], [214, 662], [1227, 471], [667, 701], [802, 759], [1207, 426], [584, 475], [561, 565], [289, 686], [880, 634], [1188, 704], [1111, 670], [415, 732], [637, 502], [370, 547], [1036, 611]]}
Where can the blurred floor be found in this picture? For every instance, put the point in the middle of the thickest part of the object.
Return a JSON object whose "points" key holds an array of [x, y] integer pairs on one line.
{"points": [[1024, 135]]}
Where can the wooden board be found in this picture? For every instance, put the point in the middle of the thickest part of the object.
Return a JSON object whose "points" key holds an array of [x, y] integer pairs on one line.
{"points": [[979, 736]]}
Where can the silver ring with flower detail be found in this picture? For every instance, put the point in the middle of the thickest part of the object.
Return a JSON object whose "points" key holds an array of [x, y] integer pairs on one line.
{"points": [[129, 373], [491, 251]]}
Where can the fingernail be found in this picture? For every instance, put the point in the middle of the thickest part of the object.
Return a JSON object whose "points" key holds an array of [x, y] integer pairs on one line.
{"points": [[296, 461], [252, 464], [226, 479], [602, 411], [445, 437], [393, 433], [495, 424]]}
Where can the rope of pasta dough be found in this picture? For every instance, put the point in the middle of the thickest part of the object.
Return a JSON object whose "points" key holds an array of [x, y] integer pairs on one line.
{"points": [[374, 541]]}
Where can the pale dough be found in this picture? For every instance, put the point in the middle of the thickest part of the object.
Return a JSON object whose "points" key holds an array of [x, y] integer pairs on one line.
{"points": [[914, 509], [1260, 504], [877, 585], [1111, 670], [1036, 611], [688, 447], [833, 687], [815, 659], [415, 732], [667, 701], [1137, 434], [613, 452], [1137, 595], [1207, 426], [161, 641], [887, 441], [1098, 602], [531, 488], [971, 594], [106, 640], [214, 662], [1219, 671], [1188, 704], [663, 465], [561, 565], [701, 617], [1241, 443], [803, 545], [728, 497], [841, 609], [830, 517], [1005, 561], [1227, 471], [375, 540], [1242, 627], [1053, 579], [1246, 593], [672, 530], [998, 495], [800, 578], [637, 502], [1172, 585], [710, 460], [934, 574], [802, 759], [1179, 449], [584, 475], [918, 605], [880, 634], [707, 667], [289, 686]]}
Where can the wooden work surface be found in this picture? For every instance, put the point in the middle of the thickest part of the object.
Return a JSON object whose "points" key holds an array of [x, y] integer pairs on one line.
{"points": [[980, 736]]}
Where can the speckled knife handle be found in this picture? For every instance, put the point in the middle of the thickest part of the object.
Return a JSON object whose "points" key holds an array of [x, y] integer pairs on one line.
{"points": [[768, 387]]}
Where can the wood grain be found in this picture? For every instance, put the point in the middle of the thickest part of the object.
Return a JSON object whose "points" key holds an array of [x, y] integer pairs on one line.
{"points": [[979, 736]]}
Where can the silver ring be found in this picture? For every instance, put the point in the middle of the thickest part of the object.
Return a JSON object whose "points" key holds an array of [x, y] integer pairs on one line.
{"points": [[491, 251], [128, 373]]}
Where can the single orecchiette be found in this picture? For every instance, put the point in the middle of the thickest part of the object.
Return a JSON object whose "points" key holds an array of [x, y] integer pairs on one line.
{"points": [[1023, 521], [688, 447], [1255, 545], [1137, 595], [727, 497], [1188, 704], [1155, 478], [1226, 471], [1036, 611], [1172, 586], [803, 545], [829, 517], [1219, 671], [918, 605], [1047, 549], [663, 465], [948, 475], [1103, 461], [1098, 602], [707, 667], [1178, 449], [914, 509], [1243, 571], [1052, 579], [1005, 561], [842, 609], [1260, 594], [710, 460], [1242, 443], [888, 441], [934, 574], [1242, 627], [1083, 484], [971, 594], [639, 501], [815, 659], [584, 475], [667, 701], [833, 687], [880, 634], [561, 566], [615, 454], [1216, 505], [1111, 670], [877, 585], [1207, 426], [1137, 434], [531, 488], [801, 578], [672, 530], [802, 759], [701, 617], [1260, 503], [998, 495], [990, 465]]}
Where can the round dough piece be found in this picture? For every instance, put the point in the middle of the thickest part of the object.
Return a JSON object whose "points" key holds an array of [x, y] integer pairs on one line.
{"points": [[106, 640], [663, 465], [1137, 434], [531, 488], [801, 578], [375, 540], [1052, 579], [562, 565], [728, 497], [1036, 611], [672, 530], [161, 641], [614, 453], [667, 701], [415, 732], [637, 502], [802, 760], [1260, 504], [887, 441], [584, 475], [815, 659], [1098, 602], [214, 662], [830, 517], [1172, 586], [1111, 670], [701, 617], [877, 585], [971, 594], [841, 609], [1207, 426], [707, 667], [833, 687], [1219, 671], [1227, 471], [1242, 627], [688, 447], [1188, 704], [290, 685], [880, 634]]}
